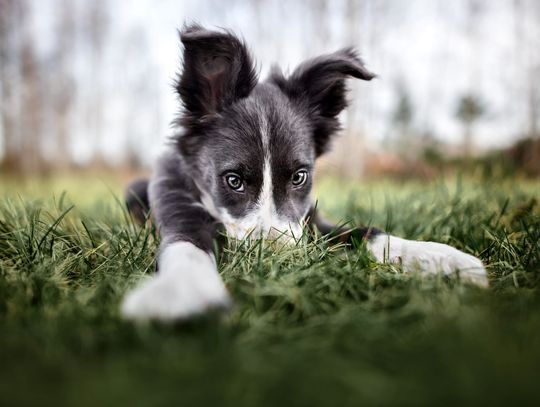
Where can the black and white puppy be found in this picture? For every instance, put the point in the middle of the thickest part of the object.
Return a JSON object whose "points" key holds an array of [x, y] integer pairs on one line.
{"points": [[243, 163]]}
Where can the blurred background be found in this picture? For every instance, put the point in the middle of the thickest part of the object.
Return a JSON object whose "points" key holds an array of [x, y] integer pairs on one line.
{"points": [[86, 85]]}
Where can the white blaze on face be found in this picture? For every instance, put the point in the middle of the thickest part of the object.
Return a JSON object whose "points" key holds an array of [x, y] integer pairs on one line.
{"points": [[264, 220], [266, 208]]}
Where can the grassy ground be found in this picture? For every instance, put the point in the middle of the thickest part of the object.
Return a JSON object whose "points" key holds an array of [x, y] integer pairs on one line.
{"points": [[312, 325]]}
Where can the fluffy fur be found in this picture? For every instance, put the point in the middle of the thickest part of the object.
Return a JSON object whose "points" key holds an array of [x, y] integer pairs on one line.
{"points": [[242, 163]]}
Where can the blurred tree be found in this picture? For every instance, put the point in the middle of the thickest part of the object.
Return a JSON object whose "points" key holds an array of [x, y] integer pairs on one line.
{"points": [[21, 89], [320, 23], [469, 109], [402, 118], [95, 30], [11, 17], [352, 144], [526, 15], [32, 103], [141, 113], [352, 37], [533, 71], [63, 91]]}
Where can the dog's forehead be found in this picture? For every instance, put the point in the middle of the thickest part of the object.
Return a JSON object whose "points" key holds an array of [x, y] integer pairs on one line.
{"points": [[277, 111], [267, 121]]}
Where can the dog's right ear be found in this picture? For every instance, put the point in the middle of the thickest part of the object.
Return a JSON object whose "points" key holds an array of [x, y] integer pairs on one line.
{"points": [[217, 71]]}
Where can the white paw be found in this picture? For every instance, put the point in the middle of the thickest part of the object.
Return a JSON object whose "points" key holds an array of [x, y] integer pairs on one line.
{"points": [[430, 257], [187, 284]]}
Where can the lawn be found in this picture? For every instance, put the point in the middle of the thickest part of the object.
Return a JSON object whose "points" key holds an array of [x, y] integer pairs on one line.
{"points": [[312, 324]]}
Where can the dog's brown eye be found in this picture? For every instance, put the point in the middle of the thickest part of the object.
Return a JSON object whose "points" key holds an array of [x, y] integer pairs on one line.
{"points": [[299, 178], [235, 182]]}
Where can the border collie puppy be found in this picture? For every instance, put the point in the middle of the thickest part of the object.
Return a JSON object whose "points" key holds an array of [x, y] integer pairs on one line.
{"points": [[243, 164]]}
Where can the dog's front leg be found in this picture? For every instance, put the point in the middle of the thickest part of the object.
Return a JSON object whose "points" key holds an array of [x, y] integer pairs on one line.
{"points": [[412, 255], [428, 257], [187, 282]]}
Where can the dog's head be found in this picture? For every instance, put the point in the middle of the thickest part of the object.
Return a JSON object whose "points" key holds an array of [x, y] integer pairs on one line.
{"points": [[250, 146]]}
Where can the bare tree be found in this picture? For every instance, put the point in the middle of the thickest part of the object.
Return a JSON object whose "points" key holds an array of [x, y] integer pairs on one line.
{"points": [[402, 118], [94, 33], [352, 151], [319, 22], [10, 22], [32, 107], [142, 97], [533, 71], [470, 108], [526, 15], [352, 30], [22, 91], [63, 91]]}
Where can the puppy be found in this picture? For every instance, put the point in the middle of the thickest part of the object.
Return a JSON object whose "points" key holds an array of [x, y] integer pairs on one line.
{"points": [[242, 162]]}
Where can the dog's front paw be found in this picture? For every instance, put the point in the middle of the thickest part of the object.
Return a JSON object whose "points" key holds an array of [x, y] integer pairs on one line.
{"points": [[170, 298], [429, 257], [436, 257], [188, 284]]}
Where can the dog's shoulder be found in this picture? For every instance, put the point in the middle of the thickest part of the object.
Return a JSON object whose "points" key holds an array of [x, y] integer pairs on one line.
{"points": [[171, 179]]}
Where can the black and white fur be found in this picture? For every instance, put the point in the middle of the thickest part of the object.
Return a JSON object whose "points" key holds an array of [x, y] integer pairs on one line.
{"points": [[242, 163]]}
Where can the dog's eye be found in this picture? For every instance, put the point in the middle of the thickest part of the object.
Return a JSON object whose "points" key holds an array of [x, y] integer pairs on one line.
{"points": [[235, 182], [299, 178]]}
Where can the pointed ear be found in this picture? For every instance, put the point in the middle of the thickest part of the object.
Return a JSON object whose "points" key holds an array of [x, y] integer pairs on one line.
{"points": [[217, 71], [319, 84]]}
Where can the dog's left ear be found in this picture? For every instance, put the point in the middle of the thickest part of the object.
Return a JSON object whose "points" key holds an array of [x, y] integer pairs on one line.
{"points": [[319, 84], [217, 71]]}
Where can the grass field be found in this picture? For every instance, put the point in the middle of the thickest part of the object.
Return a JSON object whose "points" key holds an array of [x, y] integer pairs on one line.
{"points": [[312, 324]]}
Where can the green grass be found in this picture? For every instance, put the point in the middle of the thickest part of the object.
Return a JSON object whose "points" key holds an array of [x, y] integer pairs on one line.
{"points": [[312, 324]]}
